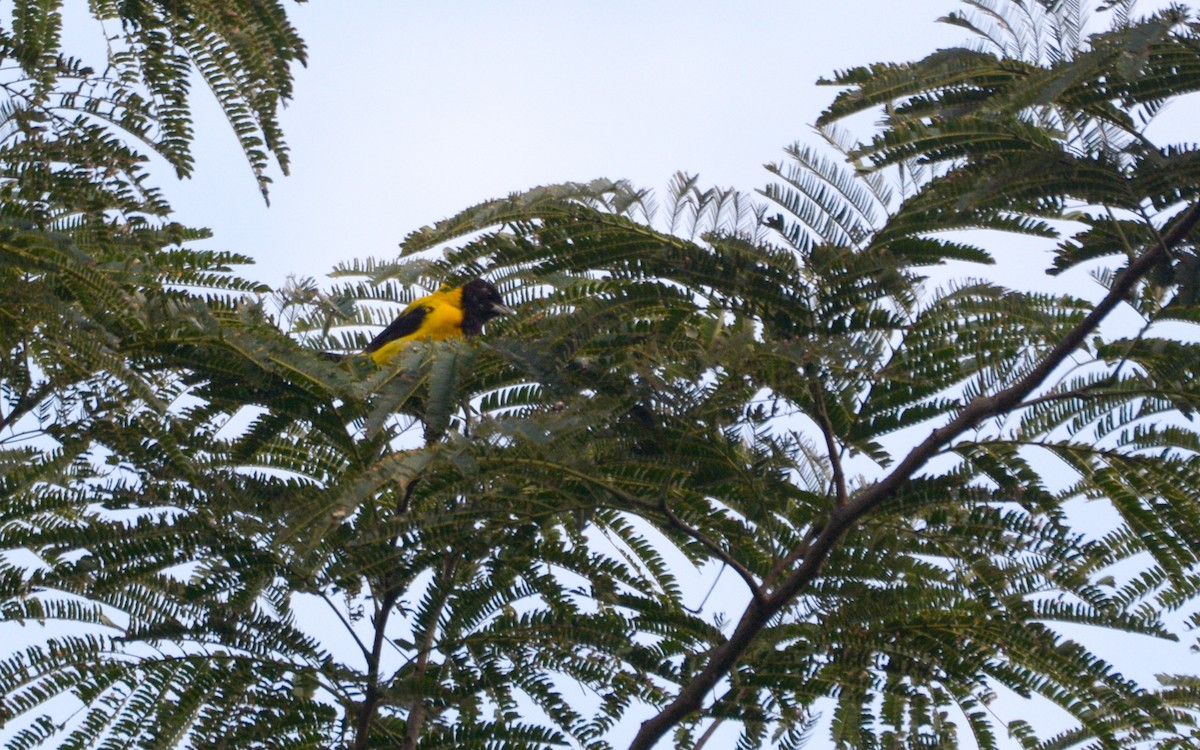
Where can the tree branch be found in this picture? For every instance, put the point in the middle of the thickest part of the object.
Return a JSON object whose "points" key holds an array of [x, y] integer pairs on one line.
{"points": [[366, 712], [835, 459], [758, 613], [24, 405], [716, 550], [349, 627], [675, 522], [419, 710]]}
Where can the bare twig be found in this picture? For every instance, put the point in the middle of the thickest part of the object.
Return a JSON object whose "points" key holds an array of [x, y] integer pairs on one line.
{"points": [[418, 710], [374, 693], [349, 628], [835, 459], [715, 549]]}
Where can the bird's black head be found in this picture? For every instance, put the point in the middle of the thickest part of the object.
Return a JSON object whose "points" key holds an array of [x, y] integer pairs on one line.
{"points": [[481, 302]]}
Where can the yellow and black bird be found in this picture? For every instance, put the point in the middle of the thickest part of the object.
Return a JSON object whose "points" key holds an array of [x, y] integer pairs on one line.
{"points": [[448, 313]]}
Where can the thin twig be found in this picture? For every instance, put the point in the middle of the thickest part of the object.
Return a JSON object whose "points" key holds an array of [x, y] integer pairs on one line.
{"points": [[674, 520], [835, 461], [712, 587], [349, 628], [714, 548], [366, 712], [418, 709]]}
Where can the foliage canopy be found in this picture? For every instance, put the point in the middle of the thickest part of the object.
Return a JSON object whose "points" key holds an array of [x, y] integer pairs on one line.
{"points": [[507, 530]]}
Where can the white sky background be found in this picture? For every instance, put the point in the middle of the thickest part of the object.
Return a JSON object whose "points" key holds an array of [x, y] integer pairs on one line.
{"points": [[410, 112]]}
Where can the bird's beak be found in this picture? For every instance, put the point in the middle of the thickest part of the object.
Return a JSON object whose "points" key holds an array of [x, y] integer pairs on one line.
{"points": [[500, 309]]}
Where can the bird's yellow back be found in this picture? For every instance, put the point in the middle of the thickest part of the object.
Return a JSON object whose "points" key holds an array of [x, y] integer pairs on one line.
{"points": [[440, 317]]}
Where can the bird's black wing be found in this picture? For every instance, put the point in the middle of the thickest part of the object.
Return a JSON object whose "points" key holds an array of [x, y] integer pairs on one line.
{"points": [[406, 324]]}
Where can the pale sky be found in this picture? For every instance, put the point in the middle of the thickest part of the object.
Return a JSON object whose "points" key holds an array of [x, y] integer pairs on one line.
{"points": [[410, 112]]}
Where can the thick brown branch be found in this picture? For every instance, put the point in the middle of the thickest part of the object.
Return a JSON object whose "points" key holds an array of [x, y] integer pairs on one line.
{"points": [[758, 613], [755, 617]]}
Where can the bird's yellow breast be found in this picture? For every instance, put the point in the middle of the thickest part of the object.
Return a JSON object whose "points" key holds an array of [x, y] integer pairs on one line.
{"points": [[443, 318]]}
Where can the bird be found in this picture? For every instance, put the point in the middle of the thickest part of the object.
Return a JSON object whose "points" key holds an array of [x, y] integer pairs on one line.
{"points": [[447, 313]]}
